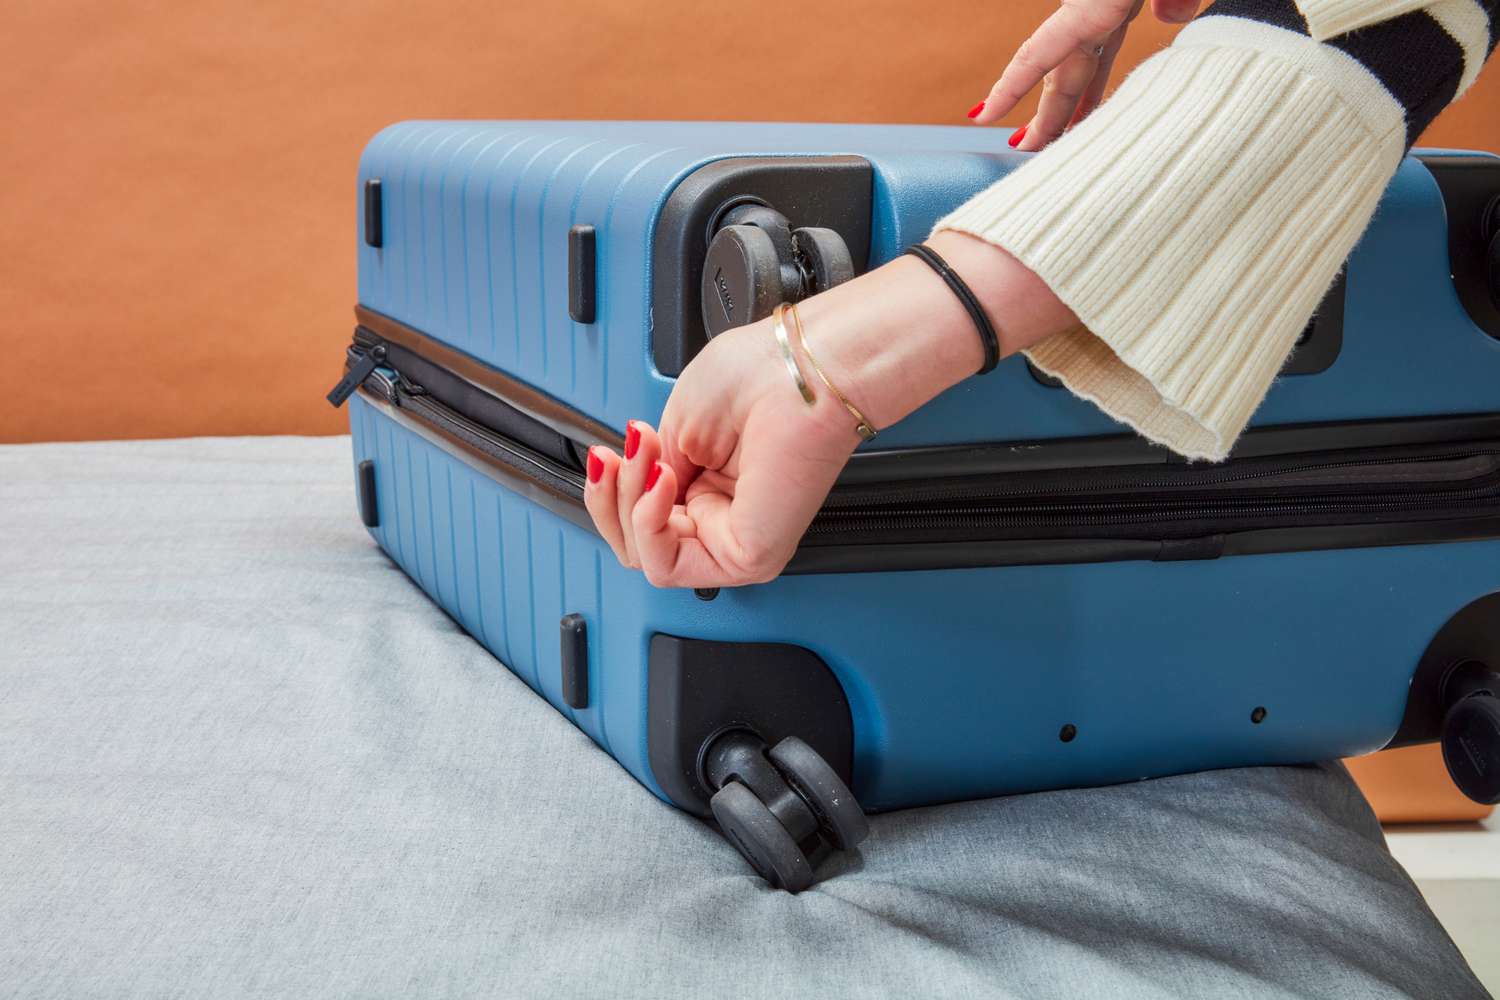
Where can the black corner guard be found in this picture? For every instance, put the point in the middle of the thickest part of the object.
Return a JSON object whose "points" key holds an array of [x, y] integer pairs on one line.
{"points": [[827, 192], [1470, 185], [1471, 635], [696, 689]]}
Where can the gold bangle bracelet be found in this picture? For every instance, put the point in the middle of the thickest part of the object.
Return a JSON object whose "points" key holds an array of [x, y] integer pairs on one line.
{"points": [[778, 327], [862, 427]]}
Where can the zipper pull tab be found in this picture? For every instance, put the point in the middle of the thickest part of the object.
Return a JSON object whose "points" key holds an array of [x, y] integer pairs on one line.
{"points": [[356, 374]]}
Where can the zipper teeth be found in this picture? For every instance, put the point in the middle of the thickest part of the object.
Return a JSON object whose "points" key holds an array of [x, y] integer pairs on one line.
{"points": [[410, 396], [877, 517], [1159, 505], [839, 505], [442, 413], [831, 522], [936, 493]]}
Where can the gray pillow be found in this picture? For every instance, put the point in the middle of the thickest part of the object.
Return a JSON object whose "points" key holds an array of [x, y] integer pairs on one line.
{"points": [[242, 755]]}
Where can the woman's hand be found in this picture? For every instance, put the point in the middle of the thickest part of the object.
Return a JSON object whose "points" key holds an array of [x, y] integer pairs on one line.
{"points": [[750, 461], [723, 492], [1071, 55]]}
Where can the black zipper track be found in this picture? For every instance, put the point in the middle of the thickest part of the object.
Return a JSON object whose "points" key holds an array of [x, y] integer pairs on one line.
{"points": [[1125, 478], [1197, 504], [1055, 503], [414, 399], [977, 518]]}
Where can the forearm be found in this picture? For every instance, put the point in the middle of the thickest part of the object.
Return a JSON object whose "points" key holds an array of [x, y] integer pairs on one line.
{"points": [[1194, 221], [896, 337]]}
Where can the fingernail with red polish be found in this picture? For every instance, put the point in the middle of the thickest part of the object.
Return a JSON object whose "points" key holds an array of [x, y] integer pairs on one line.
{"points": [[632, 439], [976, 109], [596, 467], [653, 475], [1018, 135]]}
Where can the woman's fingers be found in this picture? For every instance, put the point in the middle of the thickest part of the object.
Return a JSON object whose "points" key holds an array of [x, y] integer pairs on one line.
{"points": [[1062, 92], [725, 541], [600, 496], [642, 449], [673, 455], [1071, 30], [1094, 95], [672, 554], [659, 536], [678, 550]]}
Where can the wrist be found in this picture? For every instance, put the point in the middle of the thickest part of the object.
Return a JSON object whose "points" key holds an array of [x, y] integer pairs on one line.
{"points": [[896, 337], [1022, 308], [890, 340]]}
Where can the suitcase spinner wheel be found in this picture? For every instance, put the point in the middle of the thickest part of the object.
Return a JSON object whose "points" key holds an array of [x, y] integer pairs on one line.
{"points": [[757, 260], [783, 808], [1471, 731]]}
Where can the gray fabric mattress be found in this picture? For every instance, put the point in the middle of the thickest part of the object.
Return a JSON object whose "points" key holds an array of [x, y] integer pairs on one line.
{"points": [[242, 755]]}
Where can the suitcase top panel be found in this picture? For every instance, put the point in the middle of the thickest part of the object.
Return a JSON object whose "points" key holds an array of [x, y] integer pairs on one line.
{"points": [[475, 254]]}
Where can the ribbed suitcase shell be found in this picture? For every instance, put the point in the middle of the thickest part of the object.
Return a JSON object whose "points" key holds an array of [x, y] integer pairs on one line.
{"points": [[958, 680]]}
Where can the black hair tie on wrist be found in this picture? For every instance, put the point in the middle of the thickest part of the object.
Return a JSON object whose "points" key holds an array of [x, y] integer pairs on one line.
{"points": [[962, 291]]}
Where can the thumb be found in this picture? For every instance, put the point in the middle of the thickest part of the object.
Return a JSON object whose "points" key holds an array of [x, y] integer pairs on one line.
{"points": [[684, 469], [1175, 11]]}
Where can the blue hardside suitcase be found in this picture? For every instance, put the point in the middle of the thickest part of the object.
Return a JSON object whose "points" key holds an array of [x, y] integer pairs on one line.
{"points": [[1068, 606]]}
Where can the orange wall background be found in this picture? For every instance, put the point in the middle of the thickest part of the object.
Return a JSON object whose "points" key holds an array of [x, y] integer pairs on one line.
{"points": [[177, 179]]}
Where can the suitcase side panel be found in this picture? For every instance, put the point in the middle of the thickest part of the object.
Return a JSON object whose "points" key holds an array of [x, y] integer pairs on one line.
{"points": [[476, 217], [507, 571], [959, 681]]}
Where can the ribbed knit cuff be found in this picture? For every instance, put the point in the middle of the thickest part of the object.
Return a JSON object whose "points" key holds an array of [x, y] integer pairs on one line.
{"points": [[1195, 220], [1329, 18]]}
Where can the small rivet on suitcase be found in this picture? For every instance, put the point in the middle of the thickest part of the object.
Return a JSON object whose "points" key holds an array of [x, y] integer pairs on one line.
{"points": [[1067, 733], [1259, 715], [706, 593]]}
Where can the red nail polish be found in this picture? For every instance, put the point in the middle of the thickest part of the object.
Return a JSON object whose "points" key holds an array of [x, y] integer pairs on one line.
{"points": [[1018, 135], [653, 475], [632, 439], [596, 467], [976, 109]]}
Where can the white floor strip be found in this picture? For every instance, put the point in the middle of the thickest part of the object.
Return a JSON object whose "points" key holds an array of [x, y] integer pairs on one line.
{"points": [[1448, 851], [1457, 867]]}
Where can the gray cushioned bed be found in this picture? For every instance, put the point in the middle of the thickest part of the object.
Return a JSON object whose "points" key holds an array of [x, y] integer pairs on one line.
{"points": [[241, 755]]}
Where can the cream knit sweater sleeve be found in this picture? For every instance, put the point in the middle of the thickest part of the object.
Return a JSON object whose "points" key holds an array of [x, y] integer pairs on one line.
{"points": [[1195, 220]]}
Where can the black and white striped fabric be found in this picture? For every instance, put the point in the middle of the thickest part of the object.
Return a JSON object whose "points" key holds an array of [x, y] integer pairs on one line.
{"points": [[1425, 57]]}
